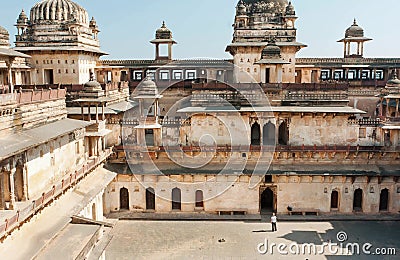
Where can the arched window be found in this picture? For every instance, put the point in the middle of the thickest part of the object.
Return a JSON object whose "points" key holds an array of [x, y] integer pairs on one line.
{"points": [[199, 199], [335, 200], [176, 199], [269, 134], [358, 199], [150, 199], [384, 200], [255, 134], [124, 198]]}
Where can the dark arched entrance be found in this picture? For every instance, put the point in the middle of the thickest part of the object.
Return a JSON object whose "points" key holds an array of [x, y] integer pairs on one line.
{"points": [[255, 134], [150, 199], [335, 200], [176, 199], [124, 198], [384, 200], [358, 199], [199, 199], [269, 134], [283, 134], [267, 201]]}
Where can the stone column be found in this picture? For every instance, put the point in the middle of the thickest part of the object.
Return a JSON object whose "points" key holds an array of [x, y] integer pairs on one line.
{"points": [[97, 113], [82, 113], [381, 108], [2, 206], [25, 183], [89, 116], [345, 49], [387, 107], [397, 108], [102, 112], [12, 189], [10, 83]]}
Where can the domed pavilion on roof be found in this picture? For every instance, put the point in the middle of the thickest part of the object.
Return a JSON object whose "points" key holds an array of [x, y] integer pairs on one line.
{"points": [[62, 41]]}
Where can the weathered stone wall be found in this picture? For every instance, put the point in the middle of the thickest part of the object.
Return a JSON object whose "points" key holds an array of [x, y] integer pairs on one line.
{"points": [[48, 163], [299, 192], [322, 131]]}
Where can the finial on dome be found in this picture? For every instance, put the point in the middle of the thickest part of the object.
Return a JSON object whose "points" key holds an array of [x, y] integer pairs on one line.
{"points": [[355, 21], [163, 25]]}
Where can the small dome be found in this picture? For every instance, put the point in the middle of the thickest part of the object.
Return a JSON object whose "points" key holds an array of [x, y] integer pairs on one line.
{"points": [[59, 11], [290, 9], [163, 32], [271, 50], [4, 37], [93, 23], [241, 8], [354, 31], [22, 18], [92, 85], [146, 88], [394, 81]]}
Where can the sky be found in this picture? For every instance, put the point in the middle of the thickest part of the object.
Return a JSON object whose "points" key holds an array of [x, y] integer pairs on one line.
{"points": [[203, 28]]}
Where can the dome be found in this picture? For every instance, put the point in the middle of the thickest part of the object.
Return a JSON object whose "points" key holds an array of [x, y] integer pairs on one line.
{"points": [[394, 81], [4, 37], [267, 6], [290, 9], [354, 30], [22, 18], [271, 50], [163, 32], [58, 11], [146, 88], [92, 85], [241, 8]]}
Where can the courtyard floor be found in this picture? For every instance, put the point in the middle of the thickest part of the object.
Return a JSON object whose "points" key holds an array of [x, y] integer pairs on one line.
{"points": [[241, 240]]}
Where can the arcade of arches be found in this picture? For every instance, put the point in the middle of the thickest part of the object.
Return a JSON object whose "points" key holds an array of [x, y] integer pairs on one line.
{"points": [[275, 194], [268, 135]]}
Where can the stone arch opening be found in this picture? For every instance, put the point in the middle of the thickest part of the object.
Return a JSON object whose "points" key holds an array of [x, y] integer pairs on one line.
{"points": [[255, 134], [199, 199], [19, 182], [358, 200], [335, 199], [150, 199], [124, 199], [176, 199], [267, 200], [269, 134], [283, 133], [384, 200]]}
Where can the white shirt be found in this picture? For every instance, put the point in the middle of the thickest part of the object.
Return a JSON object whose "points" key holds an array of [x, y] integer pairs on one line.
{"points": [[273, 219]]}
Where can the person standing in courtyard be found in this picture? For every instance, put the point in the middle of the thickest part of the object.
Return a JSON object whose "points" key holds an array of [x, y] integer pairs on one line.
{"points": [[274, 220]]}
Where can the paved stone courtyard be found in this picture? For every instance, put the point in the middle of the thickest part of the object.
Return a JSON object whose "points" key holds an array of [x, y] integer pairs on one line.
{"points": [[240, 240]]}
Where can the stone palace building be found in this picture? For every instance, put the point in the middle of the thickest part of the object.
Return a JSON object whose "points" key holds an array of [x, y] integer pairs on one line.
{"points": [[262, 132]]}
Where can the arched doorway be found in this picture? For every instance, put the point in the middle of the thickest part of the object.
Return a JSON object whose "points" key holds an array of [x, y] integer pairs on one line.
{"points": [[150, 199], [269, 134], [335, 200], [149, 136], [19, 182], [199, 199], [124, 199], [255, 134], [267, 201], [384, 200], [283, 134], [176, 199], [358, 200]]}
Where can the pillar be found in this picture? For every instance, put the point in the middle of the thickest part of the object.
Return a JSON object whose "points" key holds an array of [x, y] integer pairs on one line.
{"points": [[10, 83], [345, 49], [397, 108], [362, 49], [102, 112], [89, 116], [381, 108], [12, 189], [97, 114], [82, 113], [25, 195], [279, 68], [2, 190], [387, 107]]}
